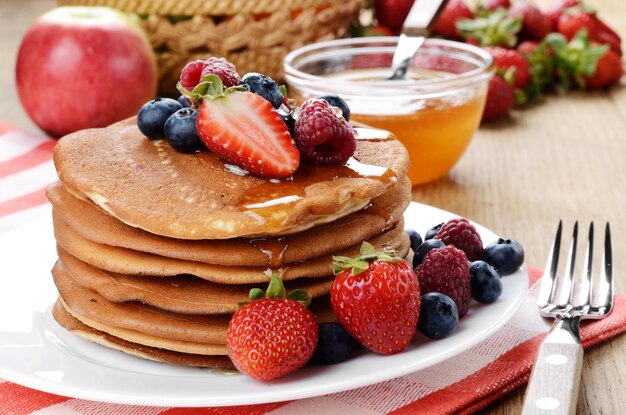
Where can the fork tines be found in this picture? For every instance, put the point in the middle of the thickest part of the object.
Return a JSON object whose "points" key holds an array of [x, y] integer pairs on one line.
{"points": [[560, 295]]}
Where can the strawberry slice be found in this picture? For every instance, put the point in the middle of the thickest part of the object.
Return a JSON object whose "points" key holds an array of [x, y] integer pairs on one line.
{"points": [[244, 129]]}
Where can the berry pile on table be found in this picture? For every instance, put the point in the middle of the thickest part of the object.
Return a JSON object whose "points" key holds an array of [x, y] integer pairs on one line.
{"points": [[565, 46]]}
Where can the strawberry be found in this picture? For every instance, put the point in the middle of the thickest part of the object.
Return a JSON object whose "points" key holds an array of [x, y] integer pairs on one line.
{"points": [[500, 99], [608, 71], [540, 62], [376, 298], [392, 13], [555, 10], [493, 5], [446, 24], [491, 28], [608, 36], [243, 128], [527, 47], [535, 25], [511, 60], [569, 24], [272, 335], [575, 60]]}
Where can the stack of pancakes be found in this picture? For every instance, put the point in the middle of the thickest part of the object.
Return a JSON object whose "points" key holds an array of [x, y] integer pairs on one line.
{"points": [[157, 248]]}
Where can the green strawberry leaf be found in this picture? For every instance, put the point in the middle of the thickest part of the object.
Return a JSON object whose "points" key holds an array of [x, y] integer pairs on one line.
{"points": [[521, 97], [276, 289], [360, 264], [256, 294], [367, 249], [491, 28], [576, 59], [283, 90], [301, 296]]}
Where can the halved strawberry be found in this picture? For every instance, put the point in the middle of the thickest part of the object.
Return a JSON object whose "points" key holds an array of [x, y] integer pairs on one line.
{"points": [[244, 129]]}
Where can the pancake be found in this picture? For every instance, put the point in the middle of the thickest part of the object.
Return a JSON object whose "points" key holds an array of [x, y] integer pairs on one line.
{"points": [[131, 262], [147, 184], [181, 294], [145, 325], [92, 223], [139, 320], [73, 325]]}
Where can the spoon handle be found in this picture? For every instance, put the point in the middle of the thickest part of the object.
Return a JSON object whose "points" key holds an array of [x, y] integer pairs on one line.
{"points": [[422, 17], [417, 27]]}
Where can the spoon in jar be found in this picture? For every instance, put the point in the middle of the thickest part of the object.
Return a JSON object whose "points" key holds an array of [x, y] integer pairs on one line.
{"points": [[417, 27]]}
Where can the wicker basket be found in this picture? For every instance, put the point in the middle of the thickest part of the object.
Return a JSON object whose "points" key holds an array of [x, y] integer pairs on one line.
{"points": [[253, 34]]}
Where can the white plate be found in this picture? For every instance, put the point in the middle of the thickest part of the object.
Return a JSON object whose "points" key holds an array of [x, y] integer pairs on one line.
{"points": [[36, 352]]}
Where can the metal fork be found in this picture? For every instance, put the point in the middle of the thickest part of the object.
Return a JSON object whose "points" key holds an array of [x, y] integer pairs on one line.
{"points": [[555, 379]]}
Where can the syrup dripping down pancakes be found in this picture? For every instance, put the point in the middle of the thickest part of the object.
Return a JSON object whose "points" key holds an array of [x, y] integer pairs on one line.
{"points": [[157, 248]]}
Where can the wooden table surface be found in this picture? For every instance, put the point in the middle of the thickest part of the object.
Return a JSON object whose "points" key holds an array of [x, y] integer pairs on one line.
{"points": [[561, 159]]}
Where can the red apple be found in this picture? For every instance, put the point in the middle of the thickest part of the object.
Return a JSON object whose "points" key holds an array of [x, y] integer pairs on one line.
{"points": [[84, 67]]}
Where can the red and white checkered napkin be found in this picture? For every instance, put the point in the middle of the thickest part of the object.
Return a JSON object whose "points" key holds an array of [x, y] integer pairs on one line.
{"points": [[462, 384]]}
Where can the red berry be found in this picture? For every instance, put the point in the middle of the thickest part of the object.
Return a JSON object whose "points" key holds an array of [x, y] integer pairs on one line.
{"points": [[555, 10], [244, 129], [570, 24], [379, 306], [269, 338], [492, 5], [446, 270], [463, 235], [535, 25], [223, 69], [446, 24], [527, 47], [510, 58], [323, 136], [500, 99], [191, 74], [606, 35], [609, 71], [392, 13]]}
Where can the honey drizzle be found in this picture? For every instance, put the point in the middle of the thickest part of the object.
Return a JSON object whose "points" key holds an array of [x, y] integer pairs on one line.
{"points": [[272, 200], [273, 248]]}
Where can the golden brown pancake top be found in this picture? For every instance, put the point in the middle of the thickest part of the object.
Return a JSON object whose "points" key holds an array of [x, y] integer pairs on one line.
{"points": [[147, 184]]}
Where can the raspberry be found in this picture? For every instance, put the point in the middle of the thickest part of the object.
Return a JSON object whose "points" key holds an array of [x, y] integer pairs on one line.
{"points": [[445, 270], [223, 69], [322, 136], [462, 234], [191, 74]]}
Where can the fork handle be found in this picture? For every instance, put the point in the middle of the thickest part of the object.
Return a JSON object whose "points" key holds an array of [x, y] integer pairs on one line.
{"points": [[555, 379]]}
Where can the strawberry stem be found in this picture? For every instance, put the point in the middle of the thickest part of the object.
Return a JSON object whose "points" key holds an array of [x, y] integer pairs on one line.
{"points": [[361, 263], [276, 290]]}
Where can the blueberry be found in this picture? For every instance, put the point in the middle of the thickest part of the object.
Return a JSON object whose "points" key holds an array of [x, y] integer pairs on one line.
{"points": [[425, 248], [183, 101], [336, 101], [432, 232], [152, 116], [438, 315], [505, 255], [334, 344], [180, 131], [416, 239], [484, 282], [264, 86], [289, 121]]}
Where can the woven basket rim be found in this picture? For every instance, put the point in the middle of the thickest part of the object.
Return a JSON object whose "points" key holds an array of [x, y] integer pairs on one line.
{"points": [[204, 7]]}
